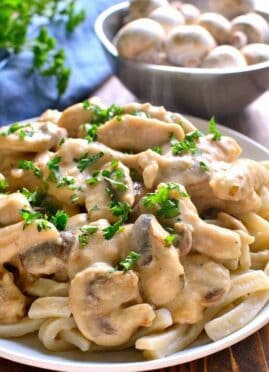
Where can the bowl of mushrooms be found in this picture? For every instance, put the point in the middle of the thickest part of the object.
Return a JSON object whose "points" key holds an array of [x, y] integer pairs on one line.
{"points": [[206, 60]]}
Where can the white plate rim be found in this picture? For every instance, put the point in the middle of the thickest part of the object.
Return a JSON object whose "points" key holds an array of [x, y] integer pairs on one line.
{"points": [[184, 356]]}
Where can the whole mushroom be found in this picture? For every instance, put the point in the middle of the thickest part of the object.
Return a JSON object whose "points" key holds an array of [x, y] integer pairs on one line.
{"points": [[249, 28], [231, 8], [188, 45], [141, 40], [256, 53], [217, 25], [168, 17], [224, 56], [190, 12], [142, 8]]}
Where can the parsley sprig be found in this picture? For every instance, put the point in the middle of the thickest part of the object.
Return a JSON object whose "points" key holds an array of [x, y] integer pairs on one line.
{"points": [[29, 165], [16, 19], [128, 262], [161, 201], [121, 210], [188, 145], [87, 160], [86, 233], [212, 129]]}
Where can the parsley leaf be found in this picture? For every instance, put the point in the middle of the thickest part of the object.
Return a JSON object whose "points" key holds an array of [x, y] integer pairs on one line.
{"points": [[54, 163], [188, 145], [86, 232], [169, 240], [29, 165], [212, 128], [203, 166], [157, 149], [29, 217], [119, 209], [128, 262], [3, 185], [86, 160], [60, 220], [43, 225]]}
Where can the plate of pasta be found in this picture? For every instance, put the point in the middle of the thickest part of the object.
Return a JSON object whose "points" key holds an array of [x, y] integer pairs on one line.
{"points": [[131, 238]]}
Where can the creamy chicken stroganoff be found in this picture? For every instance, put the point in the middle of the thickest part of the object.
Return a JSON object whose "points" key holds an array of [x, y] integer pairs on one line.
{"points": [[128, 227]]}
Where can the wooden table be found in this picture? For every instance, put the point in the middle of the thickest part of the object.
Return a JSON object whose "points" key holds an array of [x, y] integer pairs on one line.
{"points": [[252, 354]]}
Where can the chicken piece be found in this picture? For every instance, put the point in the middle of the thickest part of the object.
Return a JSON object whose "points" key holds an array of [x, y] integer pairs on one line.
{"points": [[12, 203], [107, 306], [129, 132], [236, 181], [76, 222], [17, 239], [160, 270], [48, 257], [96, 248], [159, 113], [12, 301], [115, 178], [214, 241], [206, 283], [77, 114], [31, 137], [52, 116]]}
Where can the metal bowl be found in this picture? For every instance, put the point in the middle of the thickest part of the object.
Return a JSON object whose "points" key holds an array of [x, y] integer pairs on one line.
{"points": [[202, 92]]}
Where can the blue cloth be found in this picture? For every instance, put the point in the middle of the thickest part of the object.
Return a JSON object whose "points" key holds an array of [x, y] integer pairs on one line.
{"points": [[24, 95]]}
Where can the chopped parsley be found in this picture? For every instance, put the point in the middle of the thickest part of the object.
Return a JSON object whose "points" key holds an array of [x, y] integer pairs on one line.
{"points": [[169, 240], [203, 166], [86, 232], [29, 216], [62, 141], [212, 128], [101, 115], [121, 210], [68, 181], [128, 262], [29, 165], [3, 185], [86, 160], [54, 164], [34, 197], [188, 145], [74, 198], [157, 149], [43, 225], [166, 206], [60, 220], [116, 184], [141, 114], [114, 176]]}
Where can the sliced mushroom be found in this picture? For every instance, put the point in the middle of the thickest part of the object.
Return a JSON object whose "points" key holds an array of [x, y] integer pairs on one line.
{"points": [[16, 239], [42, 136], [206, 284], [13, 203], [231, 8], [187, 45], [107, 306], [142, 8], [97, 249], [49, 257], [168, 17], [12, 301], [160, 270], [253, 26], [77, 114], [224, 57], [141, 40], [123, 134], [218, 26], [256, 53]]}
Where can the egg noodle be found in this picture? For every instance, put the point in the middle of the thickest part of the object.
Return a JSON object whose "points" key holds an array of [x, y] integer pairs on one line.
{"points": [[127, 227]]}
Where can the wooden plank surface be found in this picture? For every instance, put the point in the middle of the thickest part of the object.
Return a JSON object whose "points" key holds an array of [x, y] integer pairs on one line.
{"points": [[252, 354]]}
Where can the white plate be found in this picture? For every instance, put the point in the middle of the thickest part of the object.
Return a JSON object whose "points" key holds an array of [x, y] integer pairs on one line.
{"points": [[28, 350]]}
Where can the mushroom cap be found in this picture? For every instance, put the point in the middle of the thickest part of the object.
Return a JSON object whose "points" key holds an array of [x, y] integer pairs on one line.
{"points": [[190, 12], [168, 16], [188, 45], [217, 25], [253, 25], [231, 8], [142, 8], [138, 37], [224, 56], [256, 53]]}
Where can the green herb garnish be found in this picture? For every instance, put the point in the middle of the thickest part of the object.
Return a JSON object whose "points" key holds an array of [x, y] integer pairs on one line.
{"points": [[3, 185], [157, 149], [29, 217], [203, 166], [188, 145], [86, 232], [29, 165], [212, 129], [86, 160], [169, 240], [128, 262], [121, 210]]}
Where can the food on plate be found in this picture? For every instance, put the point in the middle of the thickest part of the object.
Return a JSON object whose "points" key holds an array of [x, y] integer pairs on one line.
{"points": [[126, 226], [178, 34]]}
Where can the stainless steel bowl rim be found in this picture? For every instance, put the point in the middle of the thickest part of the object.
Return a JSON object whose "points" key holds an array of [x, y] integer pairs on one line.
{"points": [[183, 70]]}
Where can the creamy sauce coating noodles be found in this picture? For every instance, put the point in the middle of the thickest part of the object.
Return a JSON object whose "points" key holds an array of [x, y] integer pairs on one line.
{"points": [[127, 227]]}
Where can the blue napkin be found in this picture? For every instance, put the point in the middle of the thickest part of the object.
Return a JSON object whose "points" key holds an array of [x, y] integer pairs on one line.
{"points": [[24, 95]]}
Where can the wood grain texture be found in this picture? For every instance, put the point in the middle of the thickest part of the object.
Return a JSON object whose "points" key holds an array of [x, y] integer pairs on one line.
{"points": [[252, 354]]}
